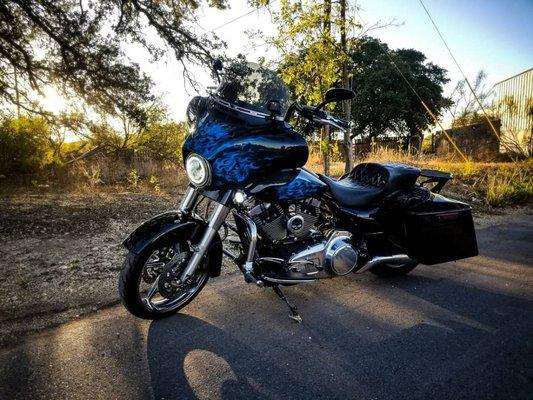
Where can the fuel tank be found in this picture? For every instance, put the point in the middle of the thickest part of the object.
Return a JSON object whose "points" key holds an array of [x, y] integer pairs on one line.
{"points": [[288, 185], [242, 150]]}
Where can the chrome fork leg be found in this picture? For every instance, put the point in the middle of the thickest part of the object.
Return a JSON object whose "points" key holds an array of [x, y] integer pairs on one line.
{"points": [[188, 200], [215, 222]]}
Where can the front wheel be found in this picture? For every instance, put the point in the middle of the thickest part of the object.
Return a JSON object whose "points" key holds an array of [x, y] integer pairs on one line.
{"points": [[149, 285], [390, 270]]}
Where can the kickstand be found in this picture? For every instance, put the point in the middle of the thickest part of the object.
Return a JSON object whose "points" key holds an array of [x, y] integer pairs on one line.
{"points": [[294, 311]]}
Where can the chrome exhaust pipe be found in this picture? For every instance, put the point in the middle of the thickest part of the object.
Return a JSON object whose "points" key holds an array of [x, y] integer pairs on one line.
{"points": [[395, 259]]}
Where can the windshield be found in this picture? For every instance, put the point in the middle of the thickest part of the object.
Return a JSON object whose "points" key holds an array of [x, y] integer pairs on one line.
{"points": [[252, 86]]}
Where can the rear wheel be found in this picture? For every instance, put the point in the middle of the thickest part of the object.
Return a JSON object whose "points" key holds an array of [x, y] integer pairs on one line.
{"points": [[393, 270], [149, 281]]}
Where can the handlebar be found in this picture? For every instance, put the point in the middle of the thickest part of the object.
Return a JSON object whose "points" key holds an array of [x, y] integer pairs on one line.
{"points": [[317, 116]]}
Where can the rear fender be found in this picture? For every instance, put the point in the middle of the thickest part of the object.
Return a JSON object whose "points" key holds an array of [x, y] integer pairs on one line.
{"points": [[438, 178], [173, 226]]}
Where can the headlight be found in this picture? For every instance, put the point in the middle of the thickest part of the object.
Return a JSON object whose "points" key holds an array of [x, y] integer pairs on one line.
{"points": [[198, 170]]}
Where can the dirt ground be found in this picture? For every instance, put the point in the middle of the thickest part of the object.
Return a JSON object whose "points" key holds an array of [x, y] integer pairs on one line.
{"points": [[60, 254]]}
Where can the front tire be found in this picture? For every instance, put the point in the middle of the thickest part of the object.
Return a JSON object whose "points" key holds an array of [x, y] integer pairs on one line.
{"points": [[133, 275], [392, 271]]}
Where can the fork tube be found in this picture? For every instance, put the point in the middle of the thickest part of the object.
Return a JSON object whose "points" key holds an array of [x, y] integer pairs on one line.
{"points": [[216, 220], [188, 200]]}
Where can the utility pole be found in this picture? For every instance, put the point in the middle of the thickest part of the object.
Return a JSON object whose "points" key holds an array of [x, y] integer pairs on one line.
{"points": [[347, 142]]}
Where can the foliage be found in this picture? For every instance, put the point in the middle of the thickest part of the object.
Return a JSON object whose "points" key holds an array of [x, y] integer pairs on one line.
{"points": [[24, 144], [78, 46], [466, 109], [155, 183], [162, 141], [93, 174], [307, 37], [157, 137], [509, 188], [517, 120], [134, 179], [311, 36], [383, 100]]}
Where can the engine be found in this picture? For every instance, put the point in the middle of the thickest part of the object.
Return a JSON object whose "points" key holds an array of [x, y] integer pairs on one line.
{"points": [[293, 236], [294, 221]]}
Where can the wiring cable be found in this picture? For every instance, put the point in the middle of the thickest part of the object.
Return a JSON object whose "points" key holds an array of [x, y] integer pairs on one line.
{"points": [[460, 69]]}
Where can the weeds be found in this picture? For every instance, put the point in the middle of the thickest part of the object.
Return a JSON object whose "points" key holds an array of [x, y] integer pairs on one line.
{"points": [[134, 179], [513, 188], [155, 183], [496, 184]]}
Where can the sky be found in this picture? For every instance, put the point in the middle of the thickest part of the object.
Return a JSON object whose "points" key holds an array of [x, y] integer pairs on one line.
{"points": [[496, 36]]}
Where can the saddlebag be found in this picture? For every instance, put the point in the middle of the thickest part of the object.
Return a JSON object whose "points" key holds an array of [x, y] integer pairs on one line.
{"points": [[439, 230]]}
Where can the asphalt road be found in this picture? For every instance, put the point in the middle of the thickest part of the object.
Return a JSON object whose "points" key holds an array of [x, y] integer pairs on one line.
{"points": [[455, 331]]}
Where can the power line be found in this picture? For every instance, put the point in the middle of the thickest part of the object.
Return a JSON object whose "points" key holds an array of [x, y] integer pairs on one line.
{"points": [[237, 18], [428, 110], [422, 101], [460, 69]]}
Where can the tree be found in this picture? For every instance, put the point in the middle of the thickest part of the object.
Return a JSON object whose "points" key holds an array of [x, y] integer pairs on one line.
{"points": [[78, 46], [517, 119], [384, 102], [308, 37], [314, 39], [157, 135], [466, 109], [163, 140], [24, 145]]}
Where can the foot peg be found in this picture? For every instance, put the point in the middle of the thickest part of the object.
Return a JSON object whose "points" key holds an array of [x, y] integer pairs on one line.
{"points": [[294, 310]]}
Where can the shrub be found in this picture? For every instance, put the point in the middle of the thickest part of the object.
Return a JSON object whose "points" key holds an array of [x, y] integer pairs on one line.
{"points": [[134, 179], [24, 145], [155, 183]]}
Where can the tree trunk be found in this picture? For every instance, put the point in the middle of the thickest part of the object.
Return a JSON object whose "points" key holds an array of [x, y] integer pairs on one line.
{"points": [[327, 19], [325, 147], [347, 142], [325, 136]]}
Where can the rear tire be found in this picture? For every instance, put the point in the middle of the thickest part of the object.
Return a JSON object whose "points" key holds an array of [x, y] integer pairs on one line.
{"points": [[387, 271], [129, 281]]}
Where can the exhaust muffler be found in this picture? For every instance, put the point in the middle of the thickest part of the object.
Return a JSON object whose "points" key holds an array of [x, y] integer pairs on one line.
{"points": [[395, 259]]}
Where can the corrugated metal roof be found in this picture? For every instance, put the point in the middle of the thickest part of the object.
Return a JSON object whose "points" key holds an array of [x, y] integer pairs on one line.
{"points": [[514, 76]]}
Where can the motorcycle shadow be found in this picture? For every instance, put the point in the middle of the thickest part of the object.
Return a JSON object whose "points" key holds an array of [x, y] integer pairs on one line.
{"points": [[189, 358], [344, 346]]}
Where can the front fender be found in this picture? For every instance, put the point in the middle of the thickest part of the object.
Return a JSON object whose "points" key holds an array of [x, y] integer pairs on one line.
{"points": [[171, 224]]}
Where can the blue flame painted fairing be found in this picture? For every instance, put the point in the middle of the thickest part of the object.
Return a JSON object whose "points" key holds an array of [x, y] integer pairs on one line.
{"points": [[240, 153], [288, 185], [303, 186]]}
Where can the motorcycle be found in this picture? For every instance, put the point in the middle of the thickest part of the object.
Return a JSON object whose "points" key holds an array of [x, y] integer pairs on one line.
{"points": [[293, 226]]}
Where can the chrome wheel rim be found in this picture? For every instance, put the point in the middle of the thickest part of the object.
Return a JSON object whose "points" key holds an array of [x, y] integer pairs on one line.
{"points": [[148, 291]]}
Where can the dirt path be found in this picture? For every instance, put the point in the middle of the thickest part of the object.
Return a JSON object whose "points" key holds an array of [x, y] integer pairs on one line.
{"points": [[60, 254]]}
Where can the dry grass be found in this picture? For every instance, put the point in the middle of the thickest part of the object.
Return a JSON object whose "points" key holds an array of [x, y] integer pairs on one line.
{"points": [[491, 183], [101, 176], [494, 183]]}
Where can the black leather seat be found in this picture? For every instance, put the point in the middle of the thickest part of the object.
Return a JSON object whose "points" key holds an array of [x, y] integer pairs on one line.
{"points": [[368, 183], [351, 194]]}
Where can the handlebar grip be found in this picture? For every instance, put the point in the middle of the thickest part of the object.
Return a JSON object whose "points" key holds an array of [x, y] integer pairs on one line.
{"points": [[343, 123]]}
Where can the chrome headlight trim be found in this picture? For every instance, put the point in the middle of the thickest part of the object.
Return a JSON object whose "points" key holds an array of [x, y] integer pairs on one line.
{"points": [[198, 170]]}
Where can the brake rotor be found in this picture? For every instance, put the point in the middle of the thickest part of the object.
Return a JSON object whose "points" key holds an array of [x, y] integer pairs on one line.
{"points": [[154, 266], [169, 284]]}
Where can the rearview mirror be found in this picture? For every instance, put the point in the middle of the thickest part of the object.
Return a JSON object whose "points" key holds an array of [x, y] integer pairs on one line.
{"points": [[216, 67], [336, 94]]}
